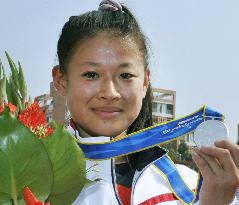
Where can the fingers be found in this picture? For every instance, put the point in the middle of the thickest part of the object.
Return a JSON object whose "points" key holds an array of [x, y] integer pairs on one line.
{"points": [[202, 165], [233, 148], [209, 162], [226, 144], [214, 164], [222, 155], [219, 171]]}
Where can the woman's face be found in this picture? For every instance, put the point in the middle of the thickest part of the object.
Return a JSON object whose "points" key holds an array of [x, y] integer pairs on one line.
{"points": [[105, 84]]}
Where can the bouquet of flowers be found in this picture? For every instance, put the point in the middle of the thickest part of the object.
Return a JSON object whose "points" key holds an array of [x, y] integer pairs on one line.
{"points": [[35, 157]]}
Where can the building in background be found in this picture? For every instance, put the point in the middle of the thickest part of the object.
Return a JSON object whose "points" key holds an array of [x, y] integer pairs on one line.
{"points": [[164, 104], [189, 139], [59, 106], [46, 103], [54, 104], [164, 108]]}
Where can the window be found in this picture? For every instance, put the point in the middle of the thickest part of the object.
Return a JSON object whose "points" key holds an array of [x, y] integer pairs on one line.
{"points": [[169, 109], [154, 107]]}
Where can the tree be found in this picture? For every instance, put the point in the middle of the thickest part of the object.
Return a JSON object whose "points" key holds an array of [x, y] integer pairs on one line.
{"points": [[172, 152], [185, 155]]}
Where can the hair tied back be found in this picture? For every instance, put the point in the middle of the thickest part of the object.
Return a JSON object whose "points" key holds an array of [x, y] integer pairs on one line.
{"points": [[106, 5]]}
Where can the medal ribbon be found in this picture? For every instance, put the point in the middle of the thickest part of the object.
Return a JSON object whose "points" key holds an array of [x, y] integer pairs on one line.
{"points": [[154, 136], [177, 185], [148, 137]]}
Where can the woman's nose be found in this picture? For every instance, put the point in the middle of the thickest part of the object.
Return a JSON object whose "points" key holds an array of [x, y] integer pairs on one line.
{"points": [[108, 90]]}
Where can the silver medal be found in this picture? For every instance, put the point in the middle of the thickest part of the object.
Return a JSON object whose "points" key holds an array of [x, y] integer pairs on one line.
{"points": [[210, 131]]}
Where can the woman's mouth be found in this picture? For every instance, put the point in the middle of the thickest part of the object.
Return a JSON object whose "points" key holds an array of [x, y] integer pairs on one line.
{"points": [[107, 112]]}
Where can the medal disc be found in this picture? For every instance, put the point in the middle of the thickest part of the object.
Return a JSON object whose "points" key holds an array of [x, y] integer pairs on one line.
{"points": [[210, 131]]}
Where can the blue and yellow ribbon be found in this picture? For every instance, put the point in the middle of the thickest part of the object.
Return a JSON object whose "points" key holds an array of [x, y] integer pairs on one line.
{"points": [[176, 183], [148, 137], [154, 136]]}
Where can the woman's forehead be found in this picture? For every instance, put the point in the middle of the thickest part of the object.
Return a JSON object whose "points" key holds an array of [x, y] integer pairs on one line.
{"points": [[109, 39], [106, 47]]}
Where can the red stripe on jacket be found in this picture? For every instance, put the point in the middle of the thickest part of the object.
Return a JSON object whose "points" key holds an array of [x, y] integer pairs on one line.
{"points": [[159, 199], [124, 194]]}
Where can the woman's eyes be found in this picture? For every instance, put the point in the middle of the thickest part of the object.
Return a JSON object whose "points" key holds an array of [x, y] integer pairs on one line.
{"points": [[126, 76], [95, 75], [91, 75]]}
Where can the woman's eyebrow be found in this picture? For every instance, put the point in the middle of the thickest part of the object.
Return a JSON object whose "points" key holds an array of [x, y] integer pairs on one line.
{"points": [[125, 65]]}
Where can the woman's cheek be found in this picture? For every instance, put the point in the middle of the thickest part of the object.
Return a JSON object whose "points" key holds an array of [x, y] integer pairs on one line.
{"points": [[85, 89]]}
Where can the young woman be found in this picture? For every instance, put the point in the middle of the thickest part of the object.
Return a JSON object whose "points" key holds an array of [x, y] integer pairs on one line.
{"points": [[104, 74]]}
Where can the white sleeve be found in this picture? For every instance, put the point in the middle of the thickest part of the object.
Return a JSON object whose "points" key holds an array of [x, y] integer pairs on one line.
{"points": [[99, 192]]}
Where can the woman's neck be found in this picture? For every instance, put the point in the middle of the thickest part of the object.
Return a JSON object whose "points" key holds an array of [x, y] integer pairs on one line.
{"points": [[83, 133], [118, 160]]}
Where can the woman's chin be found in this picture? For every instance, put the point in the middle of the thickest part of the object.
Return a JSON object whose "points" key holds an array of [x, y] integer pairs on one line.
{"points": [[113, 133]]}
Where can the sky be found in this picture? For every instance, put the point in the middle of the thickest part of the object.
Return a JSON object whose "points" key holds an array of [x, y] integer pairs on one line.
{"points": [[194, 47]]}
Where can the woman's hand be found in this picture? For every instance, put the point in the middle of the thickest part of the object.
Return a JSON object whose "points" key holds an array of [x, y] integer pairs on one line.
{"points": [[219, 168], [233, 148]]}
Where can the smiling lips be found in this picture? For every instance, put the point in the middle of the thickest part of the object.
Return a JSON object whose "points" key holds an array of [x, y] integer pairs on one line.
{"points": [[107, 112]]}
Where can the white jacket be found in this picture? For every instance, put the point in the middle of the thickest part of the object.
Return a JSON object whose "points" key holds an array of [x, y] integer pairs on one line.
{"points": [[149, 187]]}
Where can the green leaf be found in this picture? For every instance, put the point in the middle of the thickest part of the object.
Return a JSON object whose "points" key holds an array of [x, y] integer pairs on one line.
{"points": [[22, 83], [9, 92], [68, 167], [2, 89], [2, 71], [16, 98], [53, 124], [13, 70], [29, 100], [24, 162]]}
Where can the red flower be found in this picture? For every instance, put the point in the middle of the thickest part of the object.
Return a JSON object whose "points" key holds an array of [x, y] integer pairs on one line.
{"points": [[12, 107], [34, 118], [30, 199], [1, 109]]}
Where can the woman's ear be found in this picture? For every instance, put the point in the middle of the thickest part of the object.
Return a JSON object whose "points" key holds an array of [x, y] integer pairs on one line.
{"points": [[146, 80], [59, 80]]}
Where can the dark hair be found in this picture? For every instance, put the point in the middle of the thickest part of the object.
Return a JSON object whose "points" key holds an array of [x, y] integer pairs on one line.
{"points": [[89, 24], [117, 23]]}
